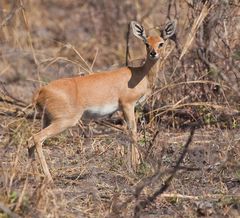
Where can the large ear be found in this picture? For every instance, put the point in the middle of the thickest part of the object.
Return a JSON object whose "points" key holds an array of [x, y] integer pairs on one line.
{"points": [[138, 30], [169, 29]]}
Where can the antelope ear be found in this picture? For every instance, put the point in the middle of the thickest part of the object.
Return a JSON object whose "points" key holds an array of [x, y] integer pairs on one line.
{"points": [[169, 29], [138, 30]]}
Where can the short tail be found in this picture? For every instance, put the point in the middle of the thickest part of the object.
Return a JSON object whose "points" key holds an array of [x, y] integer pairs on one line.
{"points": [[35, 98]]}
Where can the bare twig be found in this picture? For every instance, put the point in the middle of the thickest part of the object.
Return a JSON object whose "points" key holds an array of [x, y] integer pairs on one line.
{"points": [[20, 199], [14, 167], [199, 197], [149, 11], [6, 210], [13, 100], [197, 23], [151, 144], [127, 45], [10, 15], [143, 204], [28, 31]]}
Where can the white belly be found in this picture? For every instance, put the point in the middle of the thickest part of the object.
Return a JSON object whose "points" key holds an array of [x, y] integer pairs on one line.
{"points": [[99, 111]]}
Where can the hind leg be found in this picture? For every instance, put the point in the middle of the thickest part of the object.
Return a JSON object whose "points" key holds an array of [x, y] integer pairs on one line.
{"points": [[46, 121], [57, 126]]}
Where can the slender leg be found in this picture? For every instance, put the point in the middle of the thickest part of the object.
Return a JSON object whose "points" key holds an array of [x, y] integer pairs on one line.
{"points": [[31, 155], [54, 128], [46, 121], [133, 153]]}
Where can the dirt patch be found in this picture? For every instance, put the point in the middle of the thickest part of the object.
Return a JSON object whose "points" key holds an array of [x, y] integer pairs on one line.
{"points": [[90, 175], [195, 83]]}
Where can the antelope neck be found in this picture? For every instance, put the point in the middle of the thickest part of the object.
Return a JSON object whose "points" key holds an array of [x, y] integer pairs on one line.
{"points": [[138, 73]]}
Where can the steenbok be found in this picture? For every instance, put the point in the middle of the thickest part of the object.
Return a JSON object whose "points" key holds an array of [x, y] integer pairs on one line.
{"points": [[63, 102]]}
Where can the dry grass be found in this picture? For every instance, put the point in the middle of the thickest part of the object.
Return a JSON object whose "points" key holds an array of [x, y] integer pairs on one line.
{"points": [[91, 178], [197, 83]]}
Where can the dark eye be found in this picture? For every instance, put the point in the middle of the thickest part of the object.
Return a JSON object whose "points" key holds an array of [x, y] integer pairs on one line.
{"points": [[160, 45], [147, 45]]}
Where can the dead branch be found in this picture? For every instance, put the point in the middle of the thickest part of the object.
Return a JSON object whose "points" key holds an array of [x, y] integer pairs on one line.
{"points": [[13, 100], [150, 10], [7, 211], [10, 15], [127, 45], [144, 203], [199, 197]]}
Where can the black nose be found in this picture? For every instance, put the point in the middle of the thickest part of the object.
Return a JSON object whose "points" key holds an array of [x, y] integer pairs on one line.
{"points": [[153, 53]]}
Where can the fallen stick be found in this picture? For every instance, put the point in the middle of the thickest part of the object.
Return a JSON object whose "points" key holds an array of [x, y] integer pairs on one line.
{"points": [[7, 211], [198, 197]]}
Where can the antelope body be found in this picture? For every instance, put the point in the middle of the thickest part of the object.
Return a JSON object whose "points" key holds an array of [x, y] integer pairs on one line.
{"points": [[64, 101]]}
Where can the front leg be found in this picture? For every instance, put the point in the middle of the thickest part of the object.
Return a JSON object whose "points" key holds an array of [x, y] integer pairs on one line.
{"points": [[133, 153], [129, 116]]}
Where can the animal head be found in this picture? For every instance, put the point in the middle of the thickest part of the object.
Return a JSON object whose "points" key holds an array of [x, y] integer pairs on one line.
{"points": [[154, 44]]}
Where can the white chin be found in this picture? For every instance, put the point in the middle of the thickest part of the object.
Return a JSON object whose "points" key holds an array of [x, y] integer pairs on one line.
{"points": [[154, 58]]}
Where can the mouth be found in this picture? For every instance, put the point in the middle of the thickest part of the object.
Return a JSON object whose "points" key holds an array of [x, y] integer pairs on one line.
{"points": [[154, 57]]}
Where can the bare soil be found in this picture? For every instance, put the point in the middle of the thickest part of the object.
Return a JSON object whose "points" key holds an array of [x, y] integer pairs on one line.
{"points": [[91, 177], [49, 39]]}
